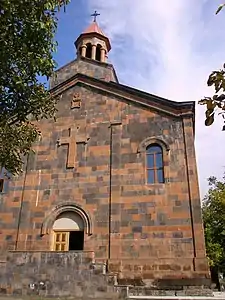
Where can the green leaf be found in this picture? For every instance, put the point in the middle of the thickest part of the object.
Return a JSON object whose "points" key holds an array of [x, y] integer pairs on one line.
{"points": [[209, 120], [220, 8], [25, 53], [210, 105], [213, 212], [209, 112]]}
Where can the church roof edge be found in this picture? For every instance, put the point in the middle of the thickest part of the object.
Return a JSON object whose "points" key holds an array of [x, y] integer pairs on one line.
{"points": [[147, 99], [134, 91]]}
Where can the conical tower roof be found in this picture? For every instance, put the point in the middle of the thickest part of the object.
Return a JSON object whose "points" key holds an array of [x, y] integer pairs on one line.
{"points": [[93, 30]]}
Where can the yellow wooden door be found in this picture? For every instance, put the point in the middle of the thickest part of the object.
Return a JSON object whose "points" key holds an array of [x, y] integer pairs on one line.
{"points": [[61, 241]]}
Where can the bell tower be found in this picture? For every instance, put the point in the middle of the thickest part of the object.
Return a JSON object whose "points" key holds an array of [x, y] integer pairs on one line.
{"points": [[93, 43]]}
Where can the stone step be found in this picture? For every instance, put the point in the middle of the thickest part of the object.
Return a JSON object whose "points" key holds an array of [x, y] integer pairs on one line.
{"points": [[106, 297], [150, 291], [173, 298]]}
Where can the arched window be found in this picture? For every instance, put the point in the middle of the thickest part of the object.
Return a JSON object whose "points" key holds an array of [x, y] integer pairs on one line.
{"points": [[154, 163], [88, 50], [98, 52]]}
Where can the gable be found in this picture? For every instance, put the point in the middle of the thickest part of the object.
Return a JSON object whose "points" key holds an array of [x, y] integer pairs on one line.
{"points": [[86, 113], [89, 107], [128, 94]]}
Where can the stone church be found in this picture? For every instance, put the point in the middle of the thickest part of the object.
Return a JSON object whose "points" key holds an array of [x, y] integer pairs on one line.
{"points": [[115, 175]]}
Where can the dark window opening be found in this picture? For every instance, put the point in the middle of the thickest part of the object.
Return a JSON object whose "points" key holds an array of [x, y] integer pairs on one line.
{"points": [[80, 50], [4, 180], [76, 241], [88, 50], [98, 52], [154, 162], [1, 185]]}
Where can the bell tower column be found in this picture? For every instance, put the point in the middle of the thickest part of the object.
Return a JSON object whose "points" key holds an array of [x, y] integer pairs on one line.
{"points": [[83, 50], [93, 51], [103, 53]]}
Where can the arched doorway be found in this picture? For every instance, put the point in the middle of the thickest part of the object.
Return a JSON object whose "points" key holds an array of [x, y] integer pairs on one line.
{"points": [[68, 231]]}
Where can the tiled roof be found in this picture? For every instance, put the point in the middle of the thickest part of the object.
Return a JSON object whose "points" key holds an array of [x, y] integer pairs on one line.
{"points": [[93, 27]]}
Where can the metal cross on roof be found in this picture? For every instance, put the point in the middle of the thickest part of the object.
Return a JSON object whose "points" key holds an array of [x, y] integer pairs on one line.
{"points": [[95, 14]]}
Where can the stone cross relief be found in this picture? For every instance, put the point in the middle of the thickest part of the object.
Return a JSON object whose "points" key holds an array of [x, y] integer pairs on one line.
{"points": [[72, 140], [76, 101]]}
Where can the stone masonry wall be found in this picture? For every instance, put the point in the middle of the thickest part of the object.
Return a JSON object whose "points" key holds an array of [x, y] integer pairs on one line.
{"points": [[150, 223], [102, 71], [53, 274]]}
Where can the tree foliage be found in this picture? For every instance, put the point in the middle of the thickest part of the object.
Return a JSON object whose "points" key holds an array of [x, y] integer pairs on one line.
{"points": [[216, 103], [27, 30], [214, 223]]}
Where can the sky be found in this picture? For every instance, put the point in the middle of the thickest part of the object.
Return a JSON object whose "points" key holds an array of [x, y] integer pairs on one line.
{"points": [[167, 48]]}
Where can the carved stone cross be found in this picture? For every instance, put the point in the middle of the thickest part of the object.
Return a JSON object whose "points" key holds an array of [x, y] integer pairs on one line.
{"points": [[72, 140], [76, 101]]}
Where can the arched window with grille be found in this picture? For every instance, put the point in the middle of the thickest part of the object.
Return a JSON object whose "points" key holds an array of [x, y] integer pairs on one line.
{"points": [[154, 164]]}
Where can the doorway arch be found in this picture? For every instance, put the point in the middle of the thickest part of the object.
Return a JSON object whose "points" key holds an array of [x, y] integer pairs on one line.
{"points": [[48, 222], [68, 232]]}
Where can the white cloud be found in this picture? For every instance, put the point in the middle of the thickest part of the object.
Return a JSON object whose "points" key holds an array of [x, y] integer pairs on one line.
{"points": [[169, 48]]}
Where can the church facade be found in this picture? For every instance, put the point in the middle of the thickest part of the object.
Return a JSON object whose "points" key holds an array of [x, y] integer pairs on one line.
{"points": [[114, 174]]}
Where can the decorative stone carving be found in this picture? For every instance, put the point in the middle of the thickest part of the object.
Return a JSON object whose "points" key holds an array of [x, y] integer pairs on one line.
{"points": [[72, 140], [76, 101]]}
